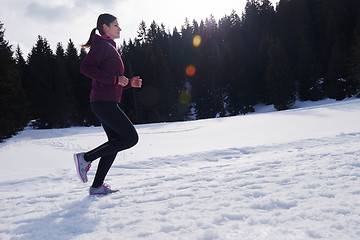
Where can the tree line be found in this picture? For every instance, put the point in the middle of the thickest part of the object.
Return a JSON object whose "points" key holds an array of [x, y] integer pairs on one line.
{"points": [[298, 49]]}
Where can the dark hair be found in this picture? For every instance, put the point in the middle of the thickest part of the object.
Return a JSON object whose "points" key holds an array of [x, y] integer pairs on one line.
{"points": [[104, 18]]}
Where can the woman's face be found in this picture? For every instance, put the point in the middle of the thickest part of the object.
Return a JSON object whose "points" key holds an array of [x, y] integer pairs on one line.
{"points": [[113, 31]]}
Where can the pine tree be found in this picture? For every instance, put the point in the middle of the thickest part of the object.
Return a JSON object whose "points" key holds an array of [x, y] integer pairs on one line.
{"points": [[207, 90], [42, 84], [240, 95], [60, 74], [280, 78], [310, 86], [141, 37], [336, 86], [354, 60], [255, 31], [64, 92], [305, 51], [355, 64], [12, 96], [158, 94], [128, 101], [149, 97], [82, 90], [24, 73], [177, 68], [77, 95], [165, 84]]}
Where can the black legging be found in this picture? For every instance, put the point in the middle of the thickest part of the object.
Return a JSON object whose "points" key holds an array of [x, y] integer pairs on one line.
{"points": [[121, 135]]}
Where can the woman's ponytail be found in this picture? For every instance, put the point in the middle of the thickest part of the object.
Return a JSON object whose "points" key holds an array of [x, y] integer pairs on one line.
{"points": [[104, 18], [88, 43]]}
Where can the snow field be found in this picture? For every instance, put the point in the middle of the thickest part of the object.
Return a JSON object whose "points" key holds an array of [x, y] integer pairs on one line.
{"points": [[283, 175]]}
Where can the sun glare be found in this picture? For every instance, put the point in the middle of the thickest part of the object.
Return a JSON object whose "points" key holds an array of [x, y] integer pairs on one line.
{"points": [[197, 41], [190, 70]]}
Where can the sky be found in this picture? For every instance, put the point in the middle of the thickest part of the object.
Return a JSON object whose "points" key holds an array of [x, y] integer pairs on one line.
{"points": [[61, 20]]}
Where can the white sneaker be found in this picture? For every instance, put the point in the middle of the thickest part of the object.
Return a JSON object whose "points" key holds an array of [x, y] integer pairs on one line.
{"points": [[102, 190], [82, 166]]}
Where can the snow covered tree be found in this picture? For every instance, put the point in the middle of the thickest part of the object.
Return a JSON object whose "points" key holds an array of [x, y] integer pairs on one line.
{"points": [[141, 37]]}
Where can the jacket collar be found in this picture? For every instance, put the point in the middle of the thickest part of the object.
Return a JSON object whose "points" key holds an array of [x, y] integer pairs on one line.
{"points": [[107, 38]]}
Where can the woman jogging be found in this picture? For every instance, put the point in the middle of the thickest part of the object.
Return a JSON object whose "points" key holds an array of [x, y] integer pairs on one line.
{"points": [[104, 66]]}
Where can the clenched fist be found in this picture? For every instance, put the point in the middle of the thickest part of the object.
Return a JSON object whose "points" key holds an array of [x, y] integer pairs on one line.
{"points": [[136, 82], [123, 81]]}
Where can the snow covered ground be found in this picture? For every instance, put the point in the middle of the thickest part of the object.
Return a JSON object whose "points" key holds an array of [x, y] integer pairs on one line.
{"points": [[271, 175]]}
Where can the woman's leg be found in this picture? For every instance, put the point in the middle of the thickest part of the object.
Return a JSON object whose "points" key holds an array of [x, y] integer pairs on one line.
{"points": [[124, 134], [121, 135], [105, 161]]}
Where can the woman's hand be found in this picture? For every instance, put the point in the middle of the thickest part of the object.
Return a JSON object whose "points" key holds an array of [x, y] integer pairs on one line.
{"points": [[123, 81], [136, 82]]}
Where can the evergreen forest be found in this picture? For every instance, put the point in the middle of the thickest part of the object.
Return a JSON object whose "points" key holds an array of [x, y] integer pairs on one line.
{"points": [[297, 50]]}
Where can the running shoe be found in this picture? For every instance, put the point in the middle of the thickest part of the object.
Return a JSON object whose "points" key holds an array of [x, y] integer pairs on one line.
{"points": [[102, 190], [82, 166]]}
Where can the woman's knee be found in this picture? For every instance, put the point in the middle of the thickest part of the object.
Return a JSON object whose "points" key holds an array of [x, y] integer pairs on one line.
{"points": [[134, 139]]}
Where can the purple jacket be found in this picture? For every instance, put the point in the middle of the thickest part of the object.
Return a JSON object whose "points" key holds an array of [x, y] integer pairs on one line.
{"points": [[103, 64]]}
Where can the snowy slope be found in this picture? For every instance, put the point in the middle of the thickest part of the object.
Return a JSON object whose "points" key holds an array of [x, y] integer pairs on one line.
{"points": [[273, 175]]}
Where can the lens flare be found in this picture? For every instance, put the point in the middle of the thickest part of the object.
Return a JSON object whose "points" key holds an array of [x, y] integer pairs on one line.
{"points": [[190, 70], [197, 41], [184, 98], [184, 101]]}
